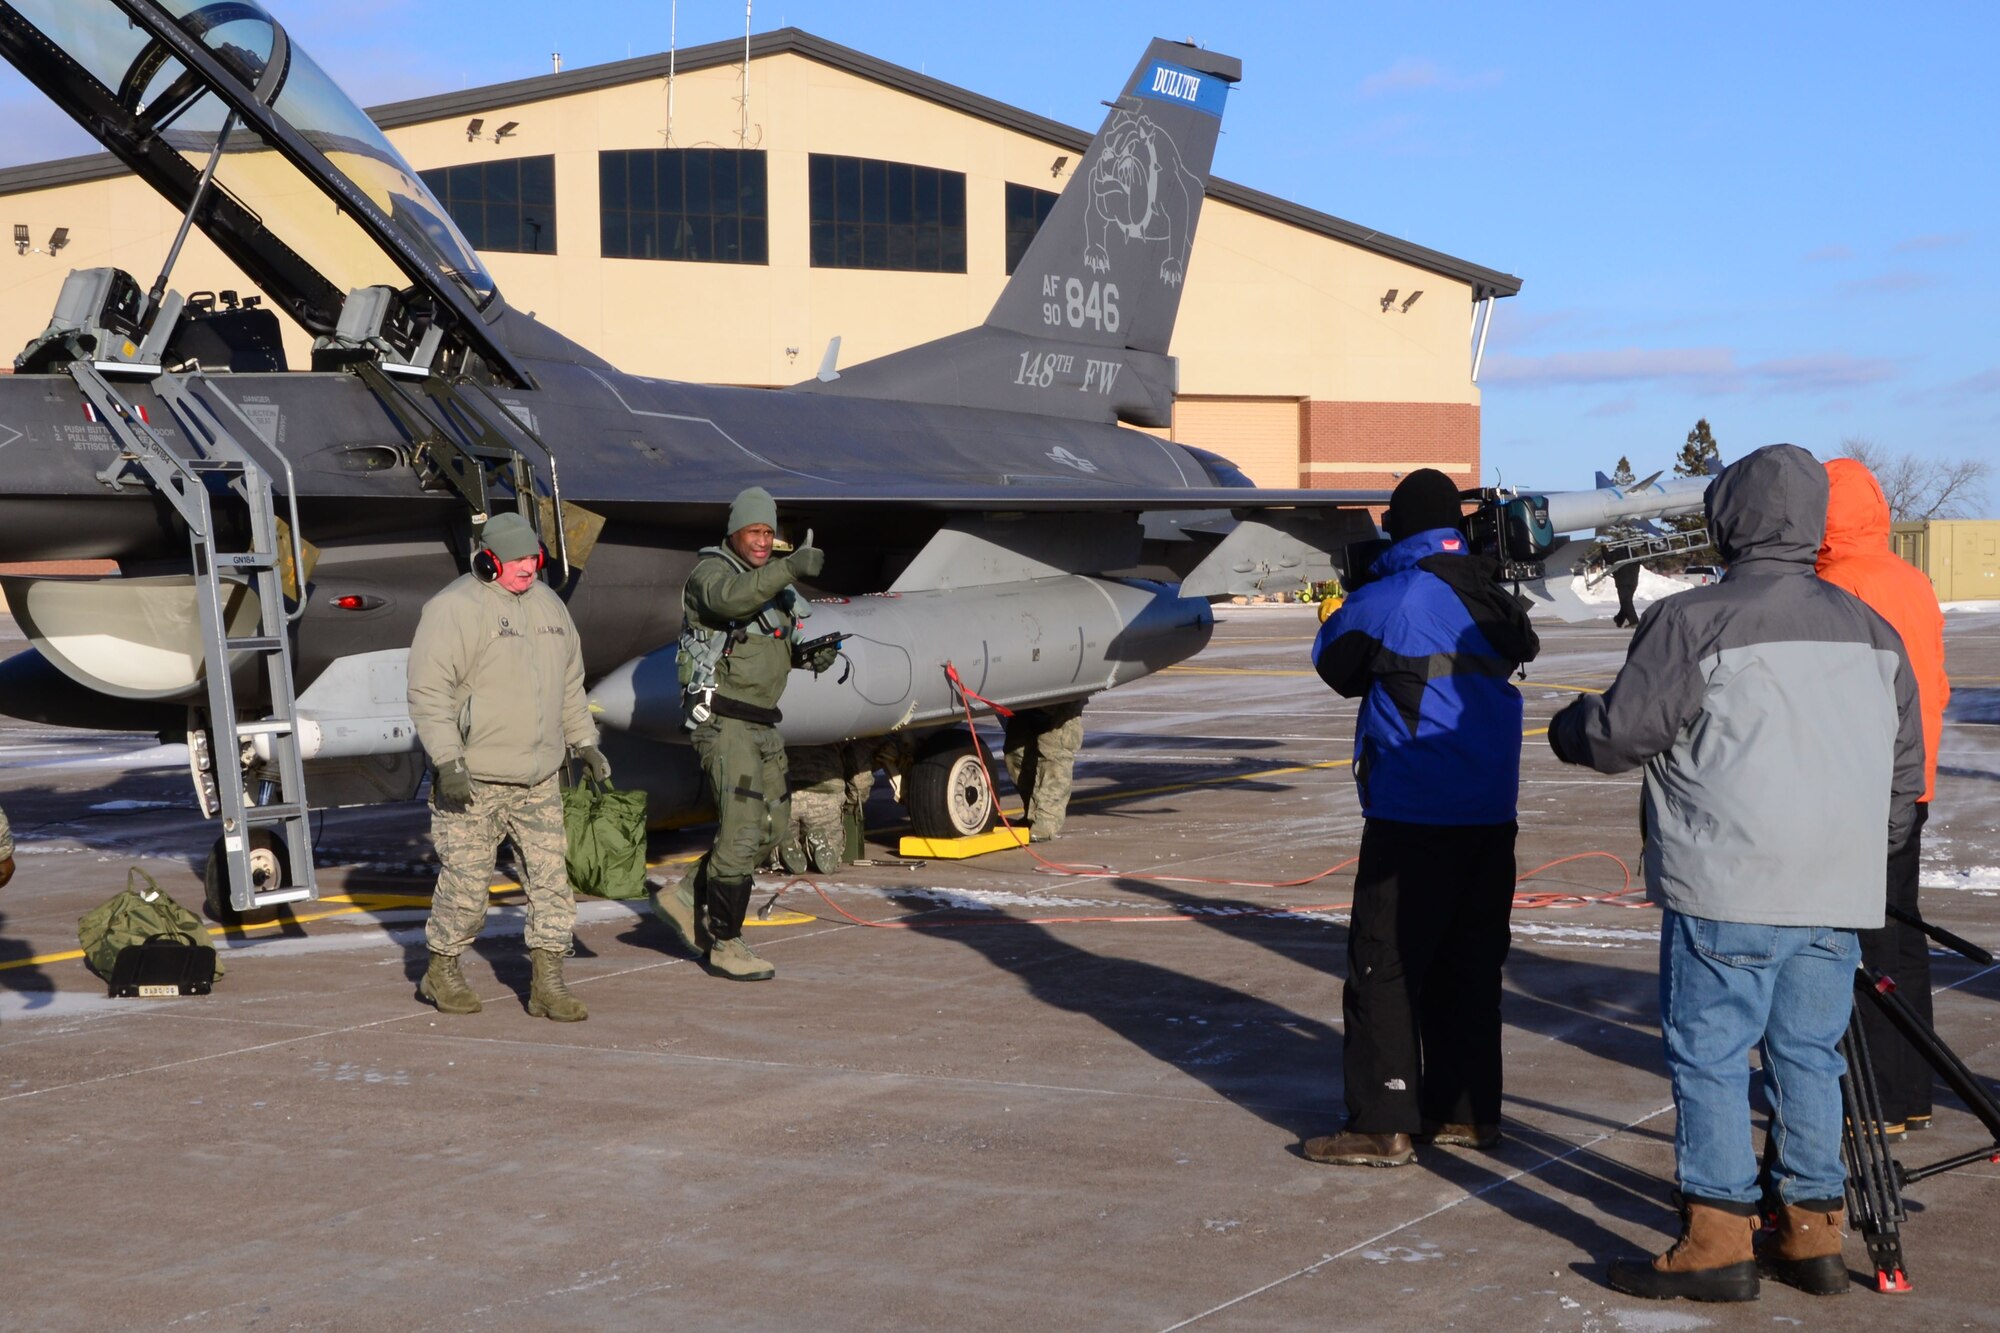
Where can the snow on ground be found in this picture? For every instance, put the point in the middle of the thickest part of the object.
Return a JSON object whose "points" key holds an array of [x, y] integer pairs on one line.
{"points": [[1982, 880], [1652, 587]]}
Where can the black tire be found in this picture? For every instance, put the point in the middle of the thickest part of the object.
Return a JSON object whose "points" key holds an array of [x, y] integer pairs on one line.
{"points": [[950, 796], [215, 874]]}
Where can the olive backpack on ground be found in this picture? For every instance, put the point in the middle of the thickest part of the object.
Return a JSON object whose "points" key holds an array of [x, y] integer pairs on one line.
{"points": [[142, 941]]}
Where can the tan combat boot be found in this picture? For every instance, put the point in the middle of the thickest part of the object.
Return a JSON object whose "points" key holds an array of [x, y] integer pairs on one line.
{"points": [[1712, 1261], [675, 906], [734, 959], [444, 986], [1805, 1248], [548, 995]]}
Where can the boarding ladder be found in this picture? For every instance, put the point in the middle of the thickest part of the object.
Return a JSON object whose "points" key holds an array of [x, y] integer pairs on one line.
{"points": [[464, 438], [266, 835]]}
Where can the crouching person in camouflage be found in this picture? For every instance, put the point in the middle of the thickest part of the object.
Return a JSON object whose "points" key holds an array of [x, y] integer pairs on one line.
{"points": [[496, 692], [739, 645], [1041, 749]]}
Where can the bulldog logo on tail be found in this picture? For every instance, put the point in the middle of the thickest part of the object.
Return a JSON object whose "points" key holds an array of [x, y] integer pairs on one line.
{"points": [[1139, 188]]}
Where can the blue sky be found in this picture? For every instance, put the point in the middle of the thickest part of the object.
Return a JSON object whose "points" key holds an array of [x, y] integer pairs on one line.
{"points": [[1778, 216]]}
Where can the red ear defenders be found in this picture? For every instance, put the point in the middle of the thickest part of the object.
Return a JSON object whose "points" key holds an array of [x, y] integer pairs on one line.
{"points": [[486, 565]]}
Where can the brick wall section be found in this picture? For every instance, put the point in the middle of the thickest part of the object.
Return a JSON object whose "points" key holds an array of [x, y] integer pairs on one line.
{"points": [[1341, 438]]}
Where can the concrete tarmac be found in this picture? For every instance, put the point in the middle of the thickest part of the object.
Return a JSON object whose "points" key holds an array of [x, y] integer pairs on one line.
{"points": [[1037, 1100]]}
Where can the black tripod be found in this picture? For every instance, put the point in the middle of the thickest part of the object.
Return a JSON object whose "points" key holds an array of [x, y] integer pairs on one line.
{"points": [[1875, 1180]]}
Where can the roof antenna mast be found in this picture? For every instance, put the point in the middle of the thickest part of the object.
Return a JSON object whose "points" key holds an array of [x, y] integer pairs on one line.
{"points": [[673, 45]]}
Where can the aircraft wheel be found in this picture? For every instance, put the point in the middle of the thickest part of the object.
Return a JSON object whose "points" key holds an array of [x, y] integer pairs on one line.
{"points": [[270, 863], [949, 794]]}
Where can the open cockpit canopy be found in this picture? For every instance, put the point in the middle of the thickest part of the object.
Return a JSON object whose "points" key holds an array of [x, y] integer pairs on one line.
{"points": [[308, 197]]}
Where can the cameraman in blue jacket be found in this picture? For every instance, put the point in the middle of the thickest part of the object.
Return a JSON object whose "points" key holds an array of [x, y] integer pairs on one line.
{"points": [[1427, 646]]}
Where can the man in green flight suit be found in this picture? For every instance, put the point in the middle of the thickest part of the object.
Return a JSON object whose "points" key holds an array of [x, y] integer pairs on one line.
{"points": [[739, 645]]}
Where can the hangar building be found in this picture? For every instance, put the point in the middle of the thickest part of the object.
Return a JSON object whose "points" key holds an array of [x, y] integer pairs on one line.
{"points": [[721, 213]]}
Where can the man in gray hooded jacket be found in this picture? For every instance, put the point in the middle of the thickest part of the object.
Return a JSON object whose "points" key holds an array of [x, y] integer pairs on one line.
{"points": [[1776, 717]]}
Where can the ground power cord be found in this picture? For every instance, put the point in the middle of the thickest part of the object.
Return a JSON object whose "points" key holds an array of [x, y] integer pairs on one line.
{"points": [[1543, 900]]}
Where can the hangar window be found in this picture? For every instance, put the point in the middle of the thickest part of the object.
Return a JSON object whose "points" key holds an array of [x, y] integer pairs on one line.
{"points": [[705, 205], [1027, 209], [507, 205], [892, 215]]}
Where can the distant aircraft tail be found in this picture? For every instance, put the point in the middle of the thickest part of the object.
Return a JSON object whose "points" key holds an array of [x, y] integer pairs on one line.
{"points": [[1082, 328]]}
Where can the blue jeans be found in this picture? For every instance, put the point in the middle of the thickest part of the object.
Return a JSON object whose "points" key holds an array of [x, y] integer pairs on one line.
{"points": [[1727, 986]]}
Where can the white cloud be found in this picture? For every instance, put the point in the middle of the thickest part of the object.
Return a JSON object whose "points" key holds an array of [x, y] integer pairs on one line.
{"points": [[1616, 407], [1613, 365], [1894, 282], [1931, 242], [1418, 74], [1715, 369]]}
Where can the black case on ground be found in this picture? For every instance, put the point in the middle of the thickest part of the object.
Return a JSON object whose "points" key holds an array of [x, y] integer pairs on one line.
{"points": [[164, 965]]}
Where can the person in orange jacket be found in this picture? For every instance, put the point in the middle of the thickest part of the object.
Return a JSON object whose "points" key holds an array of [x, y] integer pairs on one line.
{"points": [[1855, 555]]}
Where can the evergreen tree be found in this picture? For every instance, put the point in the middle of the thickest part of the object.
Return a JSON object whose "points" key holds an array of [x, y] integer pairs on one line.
{"points": [[1699, 457], [1623, 477], [1698, 453]]}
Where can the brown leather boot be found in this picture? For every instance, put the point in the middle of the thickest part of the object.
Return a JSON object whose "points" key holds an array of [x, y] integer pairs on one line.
{"points": [[1451, 1134], [1712, 1261], [1804, 1250], [1353, 1148]]}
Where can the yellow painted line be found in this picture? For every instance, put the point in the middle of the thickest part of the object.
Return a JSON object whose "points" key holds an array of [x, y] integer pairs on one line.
{"points": [[359, 903], [365, 902], [1237, 671], [1126, 794]]}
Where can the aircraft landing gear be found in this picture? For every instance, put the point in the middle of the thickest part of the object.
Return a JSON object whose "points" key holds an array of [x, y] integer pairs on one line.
{"points": [[949, 793], [270, 864]]}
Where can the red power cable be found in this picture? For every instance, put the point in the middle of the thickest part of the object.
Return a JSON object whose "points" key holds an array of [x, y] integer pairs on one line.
{"points": [[1544, 901]]}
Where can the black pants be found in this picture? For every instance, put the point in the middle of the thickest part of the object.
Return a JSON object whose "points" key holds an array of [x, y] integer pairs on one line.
{"points": [[1422, 999], [1627, 615], [1904, 953]]}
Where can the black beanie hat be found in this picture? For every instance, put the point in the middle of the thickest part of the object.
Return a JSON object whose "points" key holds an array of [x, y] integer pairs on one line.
{"points": [[1425, 499]]}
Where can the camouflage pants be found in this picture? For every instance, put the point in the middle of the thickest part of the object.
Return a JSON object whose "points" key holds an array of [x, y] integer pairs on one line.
{"points": [[744, 766], [816, 837], [830, 789], [466, 843], [1041, 747]]}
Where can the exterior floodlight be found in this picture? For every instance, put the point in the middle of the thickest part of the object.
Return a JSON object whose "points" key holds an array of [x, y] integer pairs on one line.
{"points": [[1055, 168], [506, 130], [58, 239], [1411, 300], [473, 126], [1388, 299], [20, 238]]}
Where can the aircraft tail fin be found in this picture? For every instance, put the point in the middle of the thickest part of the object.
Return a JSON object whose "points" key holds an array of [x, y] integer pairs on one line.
{"points": [[1604, 483], [1109, 264], [1081, 330]]}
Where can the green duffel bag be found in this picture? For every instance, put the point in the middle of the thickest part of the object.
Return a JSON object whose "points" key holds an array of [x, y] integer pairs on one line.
{"points": [[133, 917], [606, 832]]}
